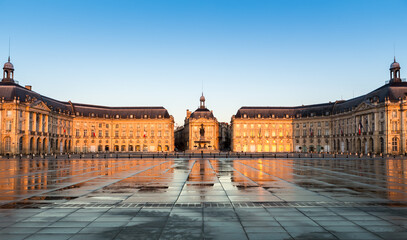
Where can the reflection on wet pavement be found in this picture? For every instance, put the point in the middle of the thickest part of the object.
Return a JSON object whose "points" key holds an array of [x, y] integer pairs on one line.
{"points": [[203, 180], [162, 199]]}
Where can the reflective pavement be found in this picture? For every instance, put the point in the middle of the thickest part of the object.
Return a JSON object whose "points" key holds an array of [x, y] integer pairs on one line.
{"points": [[203, 199]]}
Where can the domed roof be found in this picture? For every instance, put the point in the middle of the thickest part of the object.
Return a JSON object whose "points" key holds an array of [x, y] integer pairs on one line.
{"points": [[394, 64], [8, 65], [202, 98]]}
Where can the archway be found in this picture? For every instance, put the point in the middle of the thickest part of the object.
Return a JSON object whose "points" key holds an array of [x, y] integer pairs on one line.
{"points": [[358, 146], [21, 145], [38, 145], [381, 145], [31, 147], [371, 145], [44, 145]]}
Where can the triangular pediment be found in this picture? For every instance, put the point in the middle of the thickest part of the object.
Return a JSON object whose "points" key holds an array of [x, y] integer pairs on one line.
{"points": [[363, 106], [40, 105]]}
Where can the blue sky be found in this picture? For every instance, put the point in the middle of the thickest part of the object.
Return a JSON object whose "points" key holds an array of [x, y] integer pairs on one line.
{"points": [[246, 53]]}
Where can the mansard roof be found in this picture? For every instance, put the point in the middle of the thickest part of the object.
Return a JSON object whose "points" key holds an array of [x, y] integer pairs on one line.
{"points": [[202, 113], [10, 91], [392, 92]]}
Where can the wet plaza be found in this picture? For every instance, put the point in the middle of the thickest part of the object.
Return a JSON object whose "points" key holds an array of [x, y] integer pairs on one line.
{"points": [[203, 198]]}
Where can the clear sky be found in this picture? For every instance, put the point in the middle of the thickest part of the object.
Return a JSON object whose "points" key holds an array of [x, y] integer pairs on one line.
{"points": [[246, 52]]}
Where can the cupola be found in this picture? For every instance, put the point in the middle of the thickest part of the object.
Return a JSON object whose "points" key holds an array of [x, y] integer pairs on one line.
{"points": [[8, 72]]}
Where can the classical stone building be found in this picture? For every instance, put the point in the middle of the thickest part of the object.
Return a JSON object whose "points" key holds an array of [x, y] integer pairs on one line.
{"points": [[372, 123], [200, 131], [33, 123]]}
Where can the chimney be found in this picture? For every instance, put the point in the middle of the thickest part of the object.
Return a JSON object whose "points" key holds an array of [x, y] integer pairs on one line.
{"points": [[29, 87], [188, 113]]}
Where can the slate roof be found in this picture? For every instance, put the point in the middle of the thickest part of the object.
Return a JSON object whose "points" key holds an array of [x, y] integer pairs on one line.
{"points": [[202, 113], [391, 91], [9, 91]]}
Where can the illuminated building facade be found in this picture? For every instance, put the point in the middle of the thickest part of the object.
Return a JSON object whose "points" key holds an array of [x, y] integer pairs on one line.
{"points": [[200, 131], [32, 123], [372, 123]]}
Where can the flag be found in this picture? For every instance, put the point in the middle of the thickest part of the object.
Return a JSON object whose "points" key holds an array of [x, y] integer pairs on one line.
{"points": [[360, 128]]}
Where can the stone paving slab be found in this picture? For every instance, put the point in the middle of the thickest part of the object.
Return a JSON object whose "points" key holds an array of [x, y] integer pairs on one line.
{"points": [[203, 199]]}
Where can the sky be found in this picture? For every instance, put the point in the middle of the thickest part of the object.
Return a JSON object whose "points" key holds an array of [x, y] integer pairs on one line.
{"points": [[239, 52]]}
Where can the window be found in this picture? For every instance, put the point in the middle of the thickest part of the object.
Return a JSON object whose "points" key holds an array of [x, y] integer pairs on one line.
{"points": [[7, 144], [326, 124], [297, 133], [394, 126], [131, 133], [123, 133], [107, 125], [297, 125], [85, 133], [77, 133], [100, 133], [116, 133], [106, 133], [394, 114], [159, 133], [319, 124], [304, 125], [100, 125], [9, 113], [8, 125], [394, 144]]}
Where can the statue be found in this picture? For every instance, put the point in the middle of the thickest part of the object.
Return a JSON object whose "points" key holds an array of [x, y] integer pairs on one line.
{"points": [[202, 131]]}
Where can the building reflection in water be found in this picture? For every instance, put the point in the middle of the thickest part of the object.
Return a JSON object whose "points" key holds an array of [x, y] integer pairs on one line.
{"points": [[171, 179]]}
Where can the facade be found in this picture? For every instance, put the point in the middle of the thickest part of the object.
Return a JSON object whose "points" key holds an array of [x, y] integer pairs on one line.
{"points": [[32, 123], [224, 136], [372, 123], [200, 131]]}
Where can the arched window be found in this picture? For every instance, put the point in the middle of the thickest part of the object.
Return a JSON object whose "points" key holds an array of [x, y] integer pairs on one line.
{"points": [[394, 144]]}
